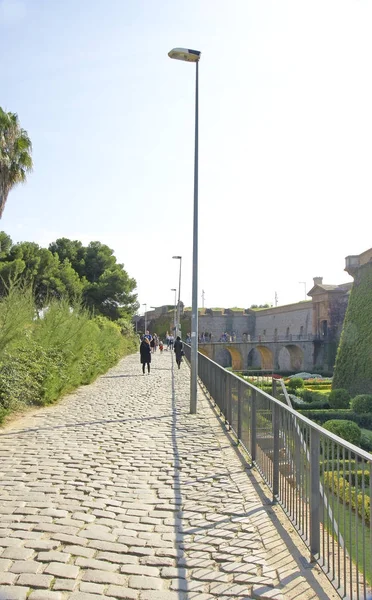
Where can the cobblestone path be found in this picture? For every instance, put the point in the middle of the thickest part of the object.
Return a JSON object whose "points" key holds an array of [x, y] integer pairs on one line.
{"points": [[118, 492]]}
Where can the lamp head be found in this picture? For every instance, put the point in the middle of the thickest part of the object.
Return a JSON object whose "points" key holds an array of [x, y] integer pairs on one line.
{"points": [[185, 54], [177, 257]]}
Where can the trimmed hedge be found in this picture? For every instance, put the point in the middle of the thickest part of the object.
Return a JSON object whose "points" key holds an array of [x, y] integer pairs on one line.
{"points": [[295, 383], [347, 494], [347, 430], [321, 416], [339, 398], [311, 406], [362, 404]]}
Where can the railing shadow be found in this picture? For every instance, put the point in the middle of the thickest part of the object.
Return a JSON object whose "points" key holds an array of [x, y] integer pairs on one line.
{"points": [[178, 531]]}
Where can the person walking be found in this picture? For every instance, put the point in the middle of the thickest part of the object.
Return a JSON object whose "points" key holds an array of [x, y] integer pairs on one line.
{"points": [[145, 352], [178, 349]]}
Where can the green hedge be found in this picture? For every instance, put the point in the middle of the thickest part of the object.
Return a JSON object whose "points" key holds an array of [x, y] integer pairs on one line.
{"points": [[347, 430], [321, 416], [348, 495], [353, 369], [311, 406], [362, 404]]}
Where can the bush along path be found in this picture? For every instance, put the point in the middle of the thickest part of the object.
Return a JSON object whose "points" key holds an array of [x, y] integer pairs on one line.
{"points": [[45, 355], [118, 492]]}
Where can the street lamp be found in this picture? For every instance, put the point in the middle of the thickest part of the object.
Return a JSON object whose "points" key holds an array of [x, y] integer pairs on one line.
{"points": [[193, 56], [145, 305], [304, 284], [175, 297], [179, 296]]}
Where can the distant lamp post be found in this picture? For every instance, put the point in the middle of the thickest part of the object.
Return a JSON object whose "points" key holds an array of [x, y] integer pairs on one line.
{"points": [[178, 332], [175, 300], [188, 55], [304, 284], [145, 305]]}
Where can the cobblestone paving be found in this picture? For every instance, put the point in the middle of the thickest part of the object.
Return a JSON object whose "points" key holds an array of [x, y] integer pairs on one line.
{"points": [[118, 492]]}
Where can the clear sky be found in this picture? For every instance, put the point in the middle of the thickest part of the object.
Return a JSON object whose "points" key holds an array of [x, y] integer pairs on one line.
{"points": [[285, 138]]}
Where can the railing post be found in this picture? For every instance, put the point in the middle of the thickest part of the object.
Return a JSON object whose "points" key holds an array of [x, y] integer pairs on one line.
{"points": [[239, 411], [253, 425], [228, 400], [314, 492], [274, 388], [276, 451]]}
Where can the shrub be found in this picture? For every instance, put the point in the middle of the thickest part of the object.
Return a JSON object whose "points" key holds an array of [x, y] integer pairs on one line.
{"points": [[339, 398], [366, 442], [362, 404], [3, 413], [348, 430], [295, 383], [321, 416], [321, 406], [307, 396], [341, 487]]}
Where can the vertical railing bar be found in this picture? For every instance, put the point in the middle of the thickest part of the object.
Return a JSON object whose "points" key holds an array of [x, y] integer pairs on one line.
{"points": [[253, 425], [333, 511], [276, 432], [363, 530], [240, 401], [350, 533], [338, 521], [314, 492]]}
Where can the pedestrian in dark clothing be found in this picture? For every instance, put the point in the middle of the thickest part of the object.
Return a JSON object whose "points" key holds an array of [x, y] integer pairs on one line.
{"points": [[178, 348], [145, 352]]}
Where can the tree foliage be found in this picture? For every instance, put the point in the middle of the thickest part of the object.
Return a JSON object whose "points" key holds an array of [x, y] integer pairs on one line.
{"points": [[107, 287], [69, 270], [15, 155]]}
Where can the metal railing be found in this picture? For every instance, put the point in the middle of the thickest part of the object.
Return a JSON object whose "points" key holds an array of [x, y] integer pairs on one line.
{"points": [[323, 483]]}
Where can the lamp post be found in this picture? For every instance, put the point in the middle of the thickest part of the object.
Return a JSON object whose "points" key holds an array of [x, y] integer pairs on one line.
{"points": [[179, 297], [145, 305], [188, 55], [175, 300], [304, 284]]}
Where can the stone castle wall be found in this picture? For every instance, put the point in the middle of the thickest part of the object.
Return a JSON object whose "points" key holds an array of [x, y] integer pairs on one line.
{"points": [[281, 321]]}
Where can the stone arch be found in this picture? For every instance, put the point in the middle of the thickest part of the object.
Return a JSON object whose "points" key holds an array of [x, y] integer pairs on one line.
{"points": [[223, 357], [205, 351], [267, 359], [236, 358], [291, 358]]}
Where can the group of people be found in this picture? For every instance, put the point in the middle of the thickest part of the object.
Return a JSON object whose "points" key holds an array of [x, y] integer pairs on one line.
{"points": [[149, 345]]}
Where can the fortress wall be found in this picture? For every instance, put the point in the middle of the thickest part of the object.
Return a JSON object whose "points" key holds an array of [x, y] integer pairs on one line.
{"points": [[217, 325], [292, 316]]}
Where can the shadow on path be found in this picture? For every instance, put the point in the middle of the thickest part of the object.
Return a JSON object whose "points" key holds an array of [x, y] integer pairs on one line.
{"points": [[83, 424]]}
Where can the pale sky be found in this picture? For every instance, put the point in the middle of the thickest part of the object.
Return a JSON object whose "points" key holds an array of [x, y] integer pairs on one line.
{"points": [[285, 138]]}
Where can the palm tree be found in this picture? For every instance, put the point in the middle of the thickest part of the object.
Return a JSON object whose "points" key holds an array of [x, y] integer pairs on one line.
{"points": [[15, 155]]}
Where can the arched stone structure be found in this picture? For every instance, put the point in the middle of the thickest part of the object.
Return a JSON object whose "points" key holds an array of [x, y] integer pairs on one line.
{"points": [[236, 358], [296, 358], [267, 359], [223, 357], [206, 352]]}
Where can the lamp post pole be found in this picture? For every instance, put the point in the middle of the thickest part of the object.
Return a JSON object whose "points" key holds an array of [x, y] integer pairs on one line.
{"points": [[193, 56], [145, 305], [174, 315], [178, 332], [304, 284]]}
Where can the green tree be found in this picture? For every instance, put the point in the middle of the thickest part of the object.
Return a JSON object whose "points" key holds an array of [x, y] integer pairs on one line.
{"points": [[107, 287], [30, 265], [15, 155]]}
